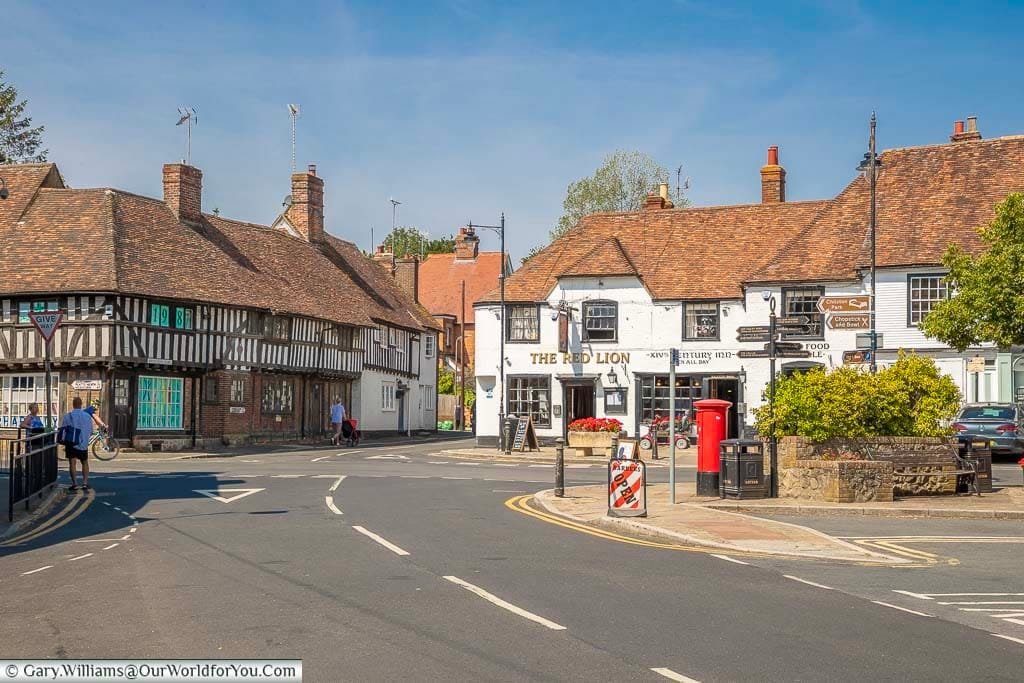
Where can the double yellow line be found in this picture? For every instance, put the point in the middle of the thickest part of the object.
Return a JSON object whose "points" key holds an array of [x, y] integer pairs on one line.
{"points": [[68, 514], [520, 504]]}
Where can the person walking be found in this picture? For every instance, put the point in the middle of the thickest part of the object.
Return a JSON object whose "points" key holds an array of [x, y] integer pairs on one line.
{"points": [[76, 445], [337, 419], [32, 423]]}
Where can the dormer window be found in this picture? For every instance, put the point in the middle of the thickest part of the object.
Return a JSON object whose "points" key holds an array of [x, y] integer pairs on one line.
{"points": [[600, 321]]}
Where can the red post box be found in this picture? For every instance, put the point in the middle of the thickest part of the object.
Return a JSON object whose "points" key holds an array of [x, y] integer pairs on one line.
{"points": [[712, 418]]}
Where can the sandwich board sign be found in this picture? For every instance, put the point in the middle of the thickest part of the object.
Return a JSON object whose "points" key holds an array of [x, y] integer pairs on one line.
{"points": [[627, 488], [525, 436], [46, 322]]}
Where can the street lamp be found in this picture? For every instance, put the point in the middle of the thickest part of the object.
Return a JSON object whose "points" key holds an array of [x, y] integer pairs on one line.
{"points": [[773, 443], [869, 167], [500, 229]]}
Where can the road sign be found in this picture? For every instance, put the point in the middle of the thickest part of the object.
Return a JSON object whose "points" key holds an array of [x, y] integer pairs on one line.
{"points": [[849, 321], [856, 357], [752, 329], [87, 384], [627, 488], [792, 320], [46, 322], [844, 304], [751, 354], [793, 354], [753, 337], [976, 364], [786, 346]]}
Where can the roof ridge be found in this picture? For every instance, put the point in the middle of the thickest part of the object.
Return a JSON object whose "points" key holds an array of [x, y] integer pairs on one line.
{"points": [[967, 144]]}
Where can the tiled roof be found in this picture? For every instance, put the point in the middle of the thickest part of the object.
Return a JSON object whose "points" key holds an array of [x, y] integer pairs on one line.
{"points": [[441, 276], [105, 240], [606, 258], [703, 253], [927, 198]]}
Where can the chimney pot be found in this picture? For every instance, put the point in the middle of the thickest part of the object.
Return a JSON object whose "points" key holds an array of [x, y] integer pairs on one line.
{"points": [[960, 135], [312, 169], [663, 191], [972, 124], [773, 155], [958, 128], [467, 244]]}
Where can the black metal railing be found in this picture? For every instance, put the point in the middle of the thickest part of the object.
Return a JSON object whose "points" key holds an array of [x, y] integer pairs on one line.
{"points": [[32, 467]]}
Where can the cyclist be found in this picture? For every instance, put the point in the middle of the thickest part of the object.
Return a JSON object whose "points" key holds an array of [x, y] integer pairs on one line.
{"points": [[96, 418], [80, 421]]}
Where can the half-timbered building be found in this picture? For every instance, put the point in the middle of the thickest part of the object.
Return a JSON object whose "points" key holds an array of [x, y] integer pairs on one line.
{"points": [[187, 328]]}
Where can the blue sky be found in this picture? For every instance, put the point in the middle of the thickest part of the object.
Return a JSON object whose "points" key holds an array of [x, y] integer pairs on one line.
{"points": [[465, 109]]}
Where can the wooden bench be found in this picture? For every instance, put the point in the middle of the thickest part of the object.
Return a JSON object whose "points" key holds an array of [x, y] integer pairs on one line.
{"points": [[940, 460]]}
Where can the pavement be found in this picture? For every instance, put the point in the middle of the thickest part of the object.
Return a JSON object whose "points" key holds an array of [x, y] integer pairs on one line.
{"points": [[690, 522], [38, 506], [395, 562], [685, 458]]}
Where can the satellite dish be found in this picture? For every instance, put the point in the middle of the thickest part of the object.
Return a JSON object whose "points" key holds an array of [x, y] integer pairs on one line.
{"points": [[287, 200]]}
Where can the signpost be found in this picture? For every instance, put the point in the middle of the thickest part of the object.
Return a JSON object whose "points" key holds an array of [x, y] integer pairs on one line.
{"points": [[976, 366], [627, 488], [752, 354], [854, 303], [856, 357], [850, 321], [46, 324], [673, 361]]}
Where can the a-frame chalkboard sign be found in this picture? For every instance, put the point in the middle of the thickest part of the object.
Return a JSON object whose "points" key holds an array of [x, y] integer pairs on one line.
{"points": [[525, 437]]}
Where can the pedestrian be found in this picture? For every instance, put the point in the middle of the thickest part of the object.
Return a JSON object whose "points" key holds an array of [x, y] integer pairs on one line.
{"points": [[76, 443], [32, 423], [337, 419]]}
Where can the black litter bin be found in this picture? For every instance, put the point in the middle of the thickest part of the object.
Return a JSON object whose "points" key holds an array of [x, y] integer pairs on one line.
{"points": [[741, 466], [978, 452]]}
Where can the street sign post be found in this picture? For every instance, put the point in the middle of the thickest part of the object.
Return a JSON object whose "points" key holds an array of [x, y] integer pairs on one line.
{"points": [[46, 324], [673, 362], [752, 354], [855, 303]]}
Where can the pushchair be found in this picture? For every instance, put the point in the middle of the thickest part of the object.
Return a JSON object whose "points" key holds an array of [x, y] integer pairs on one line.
{"points": [[350, 431]]}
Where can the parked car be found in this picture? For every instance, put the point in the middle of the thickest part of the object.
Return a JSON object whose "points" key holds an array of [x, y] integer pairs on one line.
{"points": [[1001, 424]]}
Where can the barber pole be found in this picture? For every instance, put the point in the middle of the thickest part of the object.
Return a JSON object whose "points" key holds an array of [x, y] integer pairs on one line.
{"points": [[627, 488]]}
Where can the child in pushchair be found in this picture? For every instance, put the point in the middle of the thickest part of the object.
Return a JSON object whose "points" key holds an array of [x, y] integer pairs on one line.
{"points": [[350, 431]]}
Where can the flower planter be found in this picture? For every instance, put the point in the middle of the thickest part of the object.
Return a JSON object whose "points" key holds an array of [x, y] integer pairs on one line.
{"points": [[586, 442]]}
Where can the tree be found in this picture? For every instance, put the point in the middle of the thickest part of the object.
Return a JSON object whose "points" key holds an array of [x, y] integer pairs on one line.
{"points": [[989, 301], [446, 384], [19, 141], [408, 241]]}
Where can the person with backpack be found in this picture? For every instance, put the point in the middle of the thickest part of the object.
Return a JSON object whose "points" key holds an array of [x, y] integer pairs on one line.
{"points": [[76, 430]]}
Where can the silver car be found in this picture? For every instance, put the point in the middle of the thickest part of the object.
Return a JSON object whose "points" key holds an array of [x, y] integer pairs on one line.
{"points": [[999, 423]]}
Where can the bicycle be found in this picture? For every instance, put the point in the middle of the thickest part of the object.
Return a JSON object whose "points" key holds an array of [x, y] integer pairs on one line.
{"points": [[103, 445]]}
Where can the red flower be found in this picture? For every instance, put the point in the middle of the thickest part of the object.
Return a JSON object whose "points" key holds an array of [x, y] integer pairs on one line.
{"points": [[595, 424]]}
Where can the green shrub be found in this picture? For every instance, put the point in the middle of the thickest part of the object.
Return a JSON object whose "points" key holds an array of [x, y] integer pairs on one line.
{"points": [[910, 398]]}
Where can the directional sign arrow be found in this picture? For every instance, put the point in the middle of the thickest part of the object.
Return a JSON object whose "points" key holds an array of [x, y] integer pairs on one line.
{"points": [[751, 354], [793, 320], [793, 354], [752, 329], [753, 337], [787, 346], [215, 494]]}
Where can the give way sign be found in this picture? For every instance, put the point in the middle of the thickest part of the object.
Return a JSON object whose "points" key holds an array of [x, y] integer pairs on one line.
{"points": [[46, 322]]}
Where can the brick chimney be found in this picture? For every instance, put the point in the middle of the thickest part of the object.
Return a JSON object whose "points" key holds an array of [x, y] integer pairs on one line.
{"points": [[655, 201], [306, 213], [960, 135], [183, 191], [773, 179], [467, 245], [384, 257], [407, 275]]}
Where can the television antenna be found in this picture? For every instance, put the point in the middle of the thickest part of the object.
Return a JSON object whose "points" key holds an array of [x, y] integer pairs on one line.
{"points": [[186, 116], [681, 185], [293, 110]]}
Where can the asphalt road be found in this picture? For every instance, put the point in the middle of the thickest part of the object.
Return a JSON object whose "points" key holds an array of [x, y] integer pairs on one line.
{"points": [[394, 562]]}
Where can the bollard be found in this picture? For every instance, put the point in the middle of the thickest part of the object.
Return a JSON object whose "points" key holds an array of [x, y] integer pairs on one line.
{"points": [[506, 431], [615, 445], [559, 468]]}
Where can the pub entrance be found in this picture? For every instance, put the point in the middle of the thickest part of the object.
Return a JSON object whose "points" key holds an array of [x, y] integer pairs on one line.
{"points": [[727, 388], [578, 401]]}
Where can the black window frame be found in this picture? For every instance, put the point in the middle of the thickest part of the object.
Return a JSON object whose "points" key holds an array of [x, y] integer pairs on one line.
{"points": [[511, 380], [718, 320], [816, 316], [271, 328], [689, 388], [622, 408], [211, 392], [600, 303], [277, 384], [507, 317], [910, 302]]}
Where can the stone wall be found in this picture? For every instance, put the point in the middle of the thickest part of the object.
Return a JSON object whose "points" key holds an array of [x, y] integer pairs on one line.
{"points": [[849, 481]]}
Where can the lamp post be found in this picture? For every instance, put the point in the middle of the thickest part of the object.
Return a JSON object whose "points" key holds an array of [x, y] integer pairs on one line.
{"points": [[500, 229], [741, 397], [869, 166], [773, 443]]}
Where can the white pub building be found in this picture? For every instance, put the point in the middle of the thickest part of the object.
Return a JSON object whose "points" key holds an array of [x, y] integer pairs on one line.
{"points": [[590, 320]]}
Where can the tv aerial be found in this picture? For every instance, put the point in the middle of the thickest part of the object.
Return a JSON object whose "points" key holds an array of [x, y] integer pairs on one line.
{"points": [[187, 117]]}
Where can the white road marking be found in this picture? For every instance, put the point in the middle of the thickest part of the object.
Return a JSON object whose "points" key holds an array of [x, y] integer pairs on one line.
{"points": [[250, 461], [1015, 621], [494, 599], [132, 530], [414, 476], [972, 595], [508, 491], [336, 484], [989, 609], [112, 545], [902, 609], [49, 566], [1016, 640], [384, 542], [324, 476], [80, 557], [540, 466], [286, 476], [506, 464], [387, 456], [467, 463], [330, 504], [581, 467], [396, 448], [809, 583], [215, 493], [673, 676], [437, 462], [459, 478], [920, 596], [986, 602], [324, 457], [727, 559]]}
